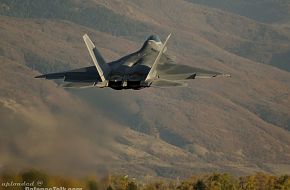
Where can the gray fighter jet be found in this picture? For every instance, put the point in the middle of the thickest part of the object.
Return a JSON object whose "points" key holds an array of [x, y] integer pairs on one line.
{"points": [[147, 67]]}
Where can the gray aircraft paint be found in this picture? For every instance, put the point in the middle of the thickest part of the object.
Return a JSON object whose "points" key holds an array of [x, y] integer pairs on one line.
{"points": [[147, 67]]}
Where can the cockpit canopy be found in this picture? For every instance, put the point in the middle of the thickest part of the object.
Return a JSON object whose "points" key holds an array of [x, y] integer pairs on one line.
{"points": [[154, 38]]}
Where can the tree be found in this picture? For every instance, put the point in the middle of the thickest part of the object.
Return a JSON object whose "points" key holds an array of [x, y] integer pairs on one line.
{"points": [[221, 182], [132, 186], [247, 183], [40, 179], [200, 185], [283, 183], [93, 185]]}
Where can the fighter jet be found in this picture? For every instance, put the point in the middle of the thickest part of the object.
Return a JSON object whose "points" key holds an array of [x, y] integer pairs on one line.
{"points": [[150, 66]]}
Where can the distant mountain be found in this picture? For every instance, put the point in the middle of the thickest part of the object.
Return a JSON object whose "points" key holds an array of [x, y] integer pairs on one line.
{"points": [[269, 11], [240, 125]]}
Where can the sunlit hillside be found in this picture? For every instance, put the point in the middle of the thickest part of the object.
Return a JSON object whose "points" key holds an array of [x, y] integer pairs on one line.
{"points": [[238, 125]]}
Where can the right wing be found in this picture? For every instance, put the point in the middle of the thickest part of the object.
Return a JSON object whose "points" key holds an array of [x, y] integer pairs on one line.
{"points": [[171, 70], [167, 83]]}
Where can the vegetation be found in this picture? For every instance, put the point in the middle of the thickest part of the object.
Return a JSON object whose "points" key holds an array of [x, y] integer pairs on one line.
{"points": [[216, 181]]}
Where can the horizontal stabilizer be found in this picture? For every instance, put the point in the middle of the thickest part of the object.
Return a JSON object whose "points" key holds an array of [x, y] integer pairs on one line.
{"points": [[78, 85]]}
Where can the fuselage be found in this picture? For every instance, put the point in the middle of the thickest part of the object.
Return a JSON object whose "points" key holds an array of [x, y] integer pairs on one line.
{"points": [[130, 72]]}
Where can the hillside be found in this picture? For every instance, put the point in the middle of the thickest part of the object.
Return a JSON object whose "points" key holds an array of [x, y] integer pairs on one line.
{"points": [[48, 115], [239, 35], [239, 125], [80, 12], [269, 11]]}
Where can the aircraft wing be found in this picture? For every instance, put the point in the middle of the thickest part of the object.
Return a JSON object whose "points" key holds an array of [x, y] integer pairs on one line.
{"points": [[171, 70], [167, 83], [51, 76], [86, 74]]}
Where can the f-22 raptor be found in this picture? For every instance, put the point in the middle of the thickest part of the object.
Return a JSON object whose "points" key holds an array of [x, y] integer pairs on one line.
{"points": [[147, 67]]}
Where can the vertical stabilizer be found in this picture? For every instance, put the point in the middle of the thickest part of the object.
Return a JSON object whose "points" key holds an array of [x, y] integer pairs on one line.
{"points": [[102, 67], [152, 73]]}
